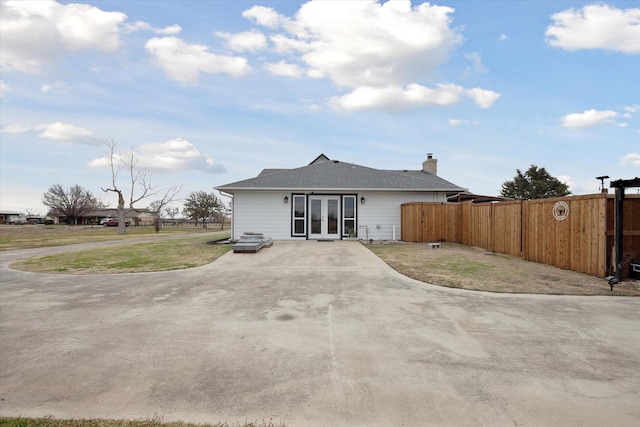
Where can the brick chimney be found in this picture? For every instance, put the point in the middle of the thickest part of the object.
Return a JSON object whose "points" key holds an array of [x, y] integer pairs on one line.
{"points": [[430, 165]]}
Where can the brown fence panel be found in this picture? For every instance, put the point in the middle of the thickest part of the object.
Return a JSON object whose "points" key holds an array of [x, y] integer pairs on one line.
{"points": [[506, 223], [569, 232], [566, 232], [466, 229], [430, 222], [410, 222], [481, 225]]}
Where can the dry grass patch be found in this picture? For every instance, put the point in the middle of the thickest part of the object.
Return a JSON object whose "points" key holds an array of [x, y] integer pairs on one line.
{"points": [[151, 422], [459, 266], [39, 236]]}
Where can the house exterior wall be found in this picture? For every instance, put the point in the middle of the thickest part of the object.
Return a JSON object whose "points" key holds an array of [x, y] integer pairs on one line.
{"points": [[266, 212], [381, 212], [262, 211]]}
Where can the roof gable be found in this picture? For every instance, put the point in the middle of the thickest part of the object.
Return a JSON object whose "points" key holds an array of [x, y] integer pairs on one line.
{"points": [[326, 174], [321, 158]]}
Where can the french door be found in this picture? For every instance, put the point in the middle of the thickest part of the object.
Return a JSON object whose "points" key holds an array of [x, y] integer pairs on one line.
{"points": [[324, 218]]}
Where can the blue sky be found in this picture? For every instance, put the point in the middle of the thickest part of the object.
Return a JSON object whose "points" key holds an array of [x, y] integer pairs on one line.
{"points": [[206, 93]]}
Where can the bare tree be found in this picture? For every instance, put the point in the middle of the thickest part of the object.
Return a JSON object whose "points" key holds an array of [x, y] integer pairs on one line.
{"points": [[140, 181], [140, 177], [115, 169], [172, 212], [72, 203], [159, 207]]}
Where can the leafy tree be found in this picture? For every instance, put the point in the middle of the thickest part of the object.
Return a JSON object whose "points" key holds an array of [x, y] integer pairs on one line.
{"points": [[201, 204], [535, 183], [71, 203]]}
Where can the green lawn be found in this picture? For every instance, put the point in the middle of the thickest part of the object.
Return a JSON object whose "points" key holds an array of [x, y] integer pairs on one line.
{"points": [[174, 254]]}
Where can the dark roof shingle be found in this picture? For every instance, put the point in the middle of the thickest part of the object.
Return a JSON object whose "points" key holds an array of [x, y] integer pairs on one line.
{"points": [[334, 175]]}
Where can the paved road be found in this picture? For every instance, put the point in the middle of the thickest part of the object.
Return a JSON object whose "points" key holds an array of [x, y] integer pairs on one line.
{"points": [[312, 333]]}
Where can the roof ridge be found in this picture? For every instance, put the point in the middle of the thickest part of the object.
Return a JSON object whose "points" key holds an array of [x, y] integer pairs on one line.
{"points": [[404, 172]]}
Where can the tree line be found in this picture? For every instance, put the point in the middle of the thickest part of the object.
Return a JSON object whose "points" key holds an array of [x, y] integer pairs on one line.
{"points": [[130, 179], [75, 202]]}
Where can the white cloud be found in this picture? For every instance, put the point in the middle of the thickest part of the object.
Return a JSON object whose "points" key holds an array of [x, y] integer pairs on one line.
{"points": [[36, 33], [484, 98], [169, 31], [184, 62], [502, 37], [381, 52], [265, 16], [393, 97], [175, 155], [65, 132], [248, 41], [283, 68], [565, 179], [588, 118], [457, 122], [596, 26], [397, 98], [365, 43], [631, 159], [132, 27], [476, 64], [15, 129], [4, 88]]}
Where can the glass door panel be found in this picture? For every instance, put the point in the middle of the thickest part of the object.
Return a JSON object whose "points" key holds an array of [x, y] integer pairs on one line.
{"points": [[324, 216], [332, 215], [316, 216]]}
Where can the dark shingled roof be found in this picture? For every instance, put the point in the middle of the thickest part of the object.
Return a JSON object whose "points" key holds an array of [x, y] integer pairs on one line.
{"points": [[325, 174]]}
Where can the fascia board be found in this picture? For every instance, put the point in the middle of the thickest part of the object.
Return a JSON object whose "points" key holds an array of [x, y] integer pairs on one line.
{"points": [[307, 189]]}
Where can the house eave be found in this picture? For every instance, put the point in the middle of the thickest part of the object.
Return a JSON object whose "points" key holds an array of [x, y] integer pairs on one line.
{"points": [[342, 190]]}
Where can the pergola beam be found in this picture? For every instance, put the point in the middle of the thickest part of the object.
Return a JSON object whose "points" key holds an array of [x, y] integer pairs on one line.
{"points": [[620, 186]]}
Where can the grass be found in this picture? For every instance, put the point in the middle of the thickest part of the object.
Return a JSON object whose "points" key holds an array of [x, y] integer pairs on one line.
{"points": [[156, 421], [163, 255], [459, 266], [38, 236]]}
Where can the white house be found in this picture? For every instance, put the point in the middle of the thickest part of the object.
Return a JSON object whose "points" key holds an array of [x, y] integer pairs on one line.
{"points": [[329, 199]]}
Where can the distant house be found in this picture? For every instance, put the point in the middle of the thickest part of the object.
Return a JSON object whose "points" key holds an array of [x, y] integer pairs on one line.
{"points": [[330, 199], [140, 216], [10, 217]]}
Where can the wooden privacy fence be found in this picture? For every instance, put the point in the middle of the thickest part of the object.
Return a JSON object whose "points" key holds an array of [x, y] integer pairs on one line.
{"points": [[567, 232]]}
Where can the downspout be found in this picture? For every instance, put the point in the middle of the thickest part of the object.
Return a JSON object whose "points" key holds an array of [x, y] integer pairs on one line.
{"points": [[233, 212]]}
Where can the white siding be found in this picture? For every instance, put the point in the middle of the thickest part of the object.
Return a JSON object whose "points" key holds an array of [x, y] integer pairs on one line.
{"points": [[381, 212], [262, 211], [266, 212]]}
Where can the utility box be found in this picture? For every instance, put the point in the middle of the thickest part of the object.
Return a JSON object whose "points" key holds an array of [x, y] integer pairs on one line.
{"points": [[634, 269]]}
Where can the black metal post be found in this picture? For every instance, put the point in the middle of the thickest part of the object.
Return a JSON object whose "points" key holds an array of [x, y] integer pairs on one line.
{"points": [[619, 235]]}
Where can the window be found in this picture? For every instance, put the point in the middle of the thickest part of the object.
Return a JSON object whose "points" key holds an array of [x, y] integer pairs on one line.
{"points": [[349, 216], [299, 213]]}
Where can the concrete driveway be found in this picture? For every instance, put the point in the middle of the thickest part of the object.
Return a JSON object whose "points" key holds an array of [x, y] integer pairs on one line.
{"points": [[312, 333]]}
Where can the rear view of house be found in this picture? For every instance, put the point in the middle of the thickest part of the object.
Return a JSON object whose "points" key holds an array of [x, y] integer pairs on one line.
{"points": [[330, 199]]}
